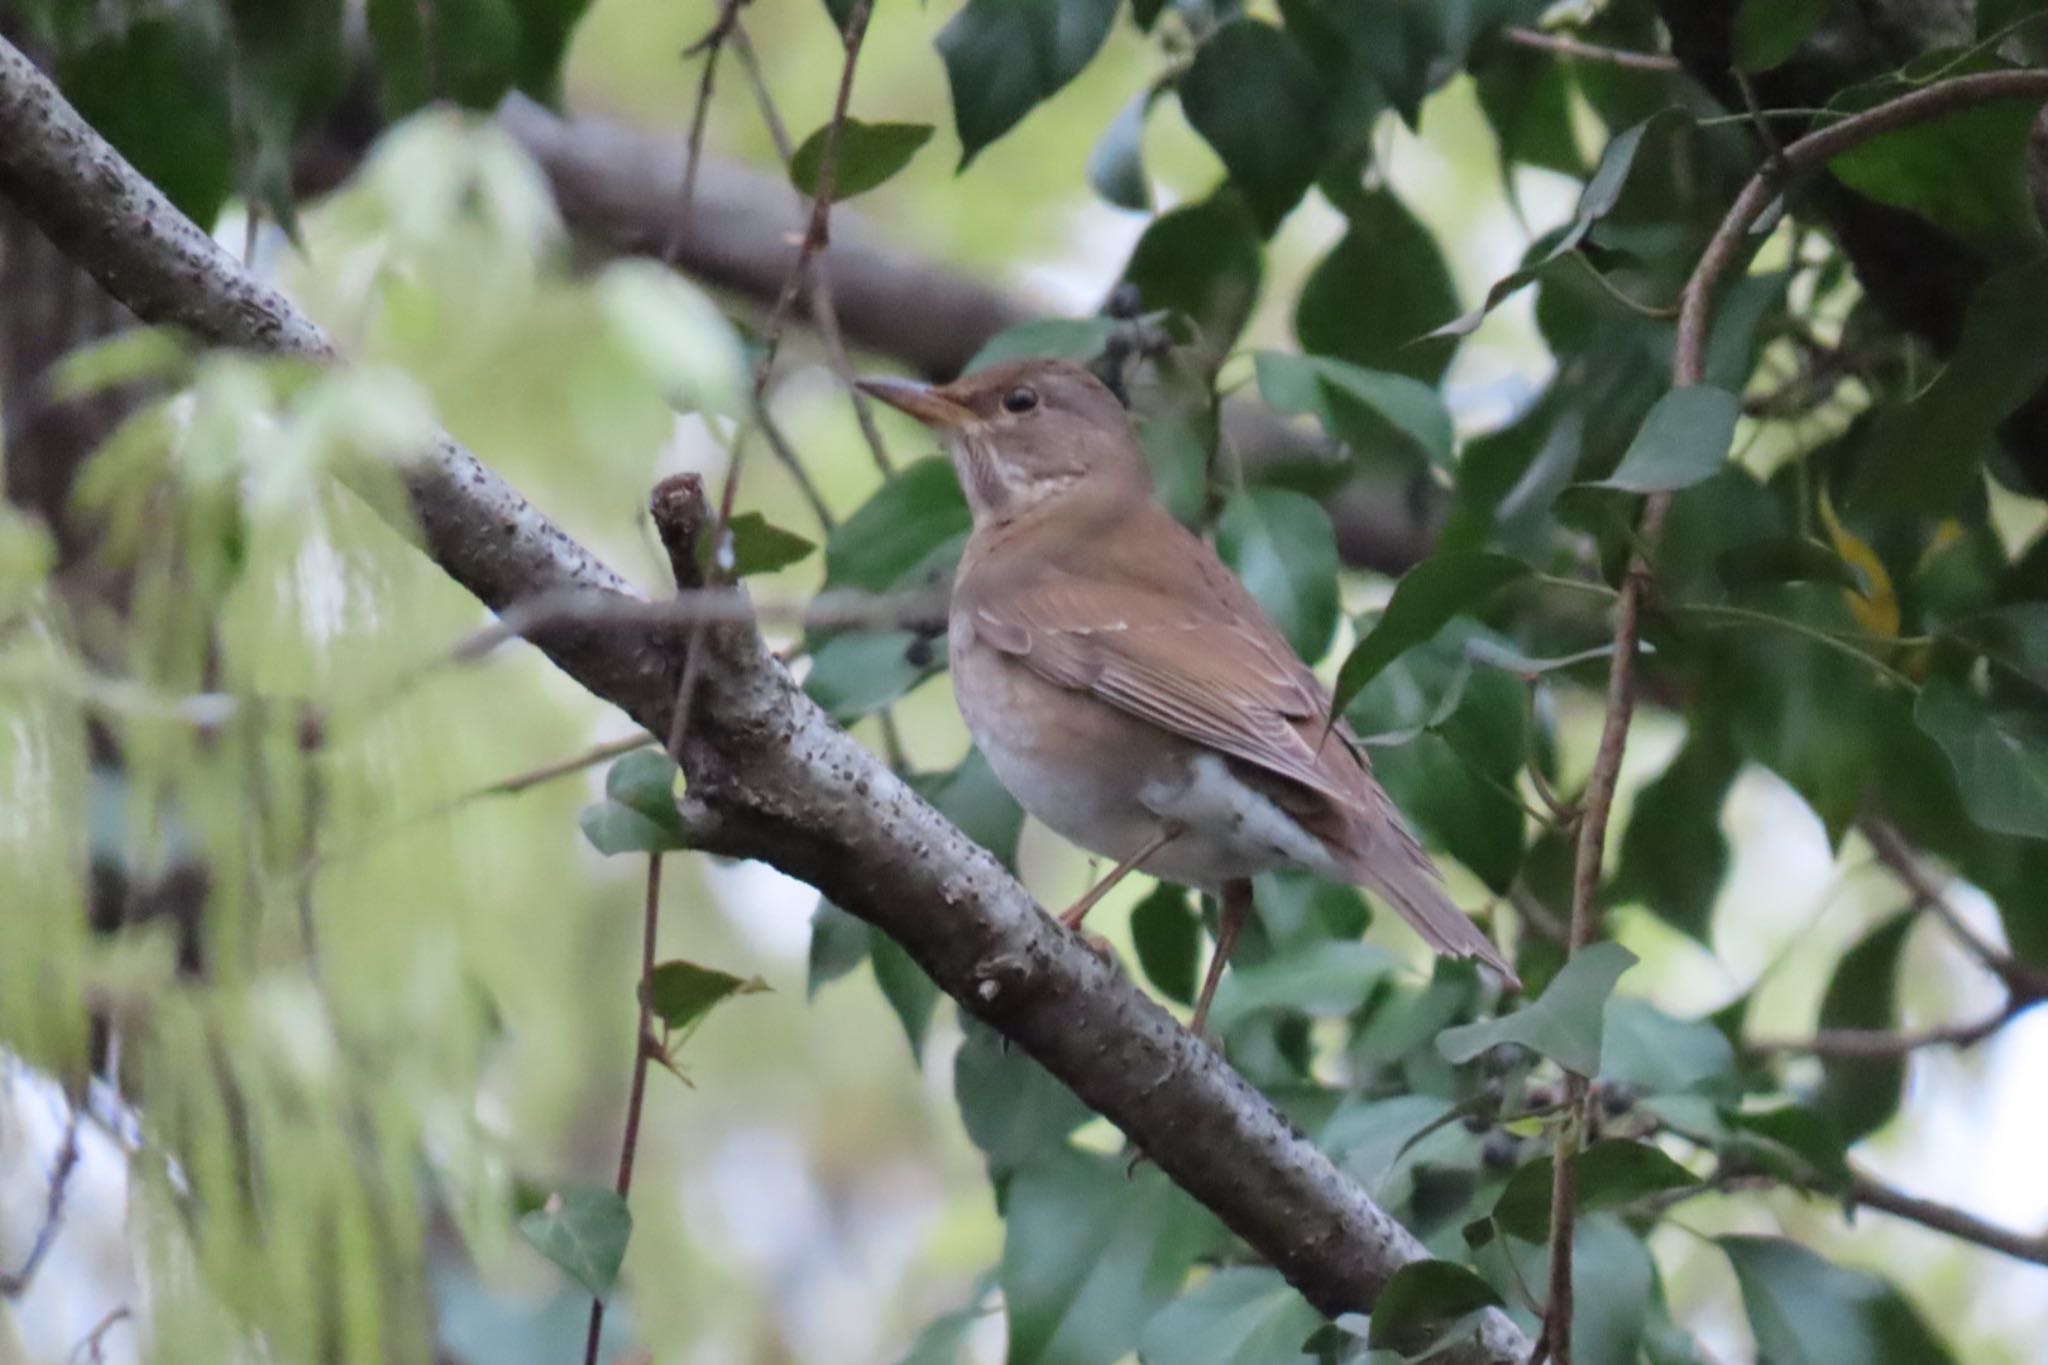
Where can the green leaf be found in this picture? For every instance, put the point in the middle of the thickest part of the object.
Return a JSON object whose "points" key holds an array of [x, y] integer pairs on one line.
{"points": [[1090, 1253], [584, 1231], [1966, 172], [1079, 339], [2000, 757], [615, 828], [1685, 439], [181, 135], [1784, 559], [682, 993], [1610, 1174], [461, 50], [863, 671], [1674, 856], [1372, 301], [761, 547], [1281, 544], [1563, 1024], [1767, 32], [1422, 1298], [1240, 1315], [910, 529], [1004, 56], [2014, 637], [545, 28], [1116, 166], [972, 798], [911, 995], [1168, 935], [1608, 1325], [945, 1336], [1861, 1094], [1011, 1106], [1368, 410], [1424, 601], [1259, 103], [839, 943], [1654, 1053], [869, 153], [1800, 1145], [1203, 262], [645, 781], [1805, 1311], [1327, 978]]}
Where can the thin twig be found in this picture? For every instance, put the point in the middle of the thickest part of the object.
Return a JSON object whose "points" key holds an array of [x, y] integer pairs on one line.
{"points": [[534, 777], [786, 456], [1866, 1190], [711, 44], [1856, 1044], [2024, 980], [14, 1283], [1566, 46], [94, 1339], [778, 132]]}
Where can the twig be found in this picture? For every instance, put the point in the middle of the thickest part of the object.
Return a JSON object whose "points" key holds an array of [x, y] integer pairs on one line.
{"points": [[1867, 1190], [1566, 46], [534, 777], [743, 46], [710, 45], [2025, 981], [786, 456], [93, 1340], [1855, 1044], [13, 1284]]}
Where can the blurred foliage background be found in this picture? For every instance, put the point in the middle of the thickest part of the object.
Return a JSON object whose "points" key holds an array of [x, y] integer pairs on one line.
{"points": [[371, 1009]]}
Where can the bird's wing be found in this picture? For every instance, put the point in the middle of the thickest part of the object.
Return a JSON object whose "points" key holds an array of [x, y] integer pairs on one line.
{"points": [[1217, 677]]}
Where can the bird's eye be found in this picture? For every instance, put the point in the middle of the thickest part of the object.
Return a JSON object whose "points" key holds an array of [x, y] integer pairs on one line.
{"points": [[1023, 398]]}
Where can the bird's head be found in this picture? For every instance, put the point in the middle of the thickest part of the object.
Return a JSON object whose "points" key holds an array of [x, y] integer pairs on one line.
{"points": [[1025, 433]]}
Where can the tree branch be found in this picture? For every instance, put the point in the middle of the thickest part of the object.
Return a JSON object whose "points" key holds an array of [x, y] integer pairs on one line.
{"points": [[770, 776]]}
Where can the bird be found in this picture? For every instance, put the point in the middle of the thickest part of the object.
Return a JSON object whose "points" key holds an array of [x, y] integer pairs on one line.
{"points": [[1127, 689]]}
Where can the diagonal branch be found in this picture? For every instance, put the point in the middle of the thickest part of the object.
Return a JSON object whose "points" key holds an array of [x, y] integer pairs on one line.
{"points": [[770, 776]]}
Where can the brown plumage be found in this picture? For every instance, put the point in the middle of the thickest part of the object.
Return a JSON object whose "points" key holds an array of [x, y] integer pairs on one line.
{"points": [[1125, 685]]}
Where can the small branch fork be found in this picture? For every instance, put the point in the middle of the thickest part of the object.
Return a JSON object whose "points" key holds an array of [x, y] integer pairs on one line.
{"points": [[13, 1283], [1729, 243]]}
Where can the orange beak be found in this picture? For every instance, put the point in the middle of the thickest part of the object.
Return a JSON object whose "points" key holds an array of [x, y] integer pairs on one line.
{"points": [[929, 405]]}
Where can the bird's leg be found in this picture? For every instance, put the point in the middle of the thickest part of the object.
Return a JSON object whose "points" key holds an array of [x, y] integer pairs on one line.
{"points": [[1078, 911], [1237, 903]]}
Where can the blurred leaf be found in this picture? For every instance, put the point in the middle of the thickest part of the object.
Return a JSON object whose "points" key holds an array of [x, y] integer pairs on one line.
{"points": [[1203, 262], [1610, 1174], [759, 547], [839, 943], [1492, 654], [2014, 636], [1861, 1094], [1797, 1144], [461, 50], [972, 798], [1239, 1315], [1674, 856], [1258, 102], [1805, 1311], [1654, 1053], [682, 993], [1089, 1254], [1422, 1298], [1381, 289], [869, 153], [1924, 455], [2000, 757], [1608, 1325], [644, 780], [1872, 601], [1686, 438], [1783, 559], [910, 993], [1079, 339], [1325, 979], [1964, 172], [1168, 936], [639, 813], [584, 1231], [1563, 1024], [1424, 601], [1527, 98], [862, 671], [1116, 166], [1281, 545], [1011, 1106], [945, 1337], [1767, 32], [902, 528], [1004, 56], [1368, 410], [181, 136], [1297, 905]]}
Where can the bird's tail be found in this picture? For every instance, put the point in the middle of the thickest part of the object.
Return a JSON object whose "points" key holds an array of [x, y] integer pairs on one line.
{"points": [[1386, 859]]}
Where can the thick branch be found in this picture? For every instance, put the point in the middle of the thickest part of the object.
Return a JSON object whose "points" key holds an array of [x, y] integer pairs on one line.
{"points": [[770, 776]]}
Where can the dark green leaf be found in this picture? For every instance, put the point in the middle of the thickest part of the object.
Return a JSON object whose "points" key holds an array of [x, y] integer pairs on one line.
{"points": [[1011, 1106], [1089, 1254], [1380, 290], [2000, 757], [1079, 339], [912, 526], [1116, 167], [545, 27], [644, 780], [1004, 56], [910, 993], [760, 547], [1563, 1024], [1424, 601], [1674, 856], [1259, 103], [1280, 543], [1797, 1144], [1370, 411], [584, 1231], [869, 153], [682, 993], [2015, 637], [1168, 935], [461, 50], [1324, 978], [1240, 1315], [1767, 32], [839, 943], [615, 828], [1784, 559], [1296, 905], [1610, 1174], [1203, 262], [1653, 1053], [1861, 1094], [1805, 1311], [180, 135], [860, 672], [1965, 172], [1422, 1298], [1685, 439]]}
